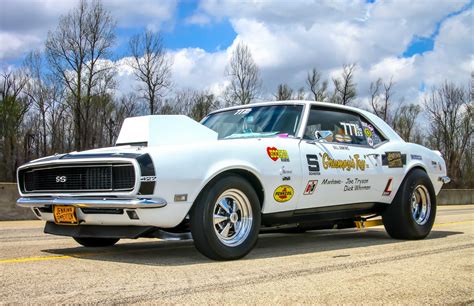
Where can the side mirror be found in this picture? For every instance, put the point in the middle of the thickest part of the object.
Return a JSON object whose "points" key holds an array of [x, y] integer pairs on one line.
{"points": [[323, 136]]}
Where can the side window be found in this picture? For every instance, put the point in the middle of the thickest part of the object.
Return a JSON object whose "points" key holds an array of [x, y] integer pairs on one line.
{"points": [[344, 126], [373, 136]]}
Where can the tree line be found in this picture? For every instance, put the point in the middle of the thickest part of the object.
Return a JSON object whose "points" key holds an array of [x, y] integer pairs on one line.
{"points": [[62, 98]]}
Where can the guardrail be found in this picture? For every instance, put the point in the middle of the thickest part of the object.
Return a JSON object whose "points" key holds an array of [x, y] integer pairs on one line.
{"points": [[9, 195]]}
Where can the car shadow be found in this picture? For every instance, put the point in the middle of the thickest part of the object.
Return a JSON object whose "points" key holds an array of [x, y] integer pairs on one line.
{"points": [[177, 253]]}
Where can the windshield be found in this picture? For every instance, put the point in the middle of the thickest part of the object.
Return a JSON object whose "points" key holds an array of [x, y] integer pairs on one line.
{"points": [[258, 121]]}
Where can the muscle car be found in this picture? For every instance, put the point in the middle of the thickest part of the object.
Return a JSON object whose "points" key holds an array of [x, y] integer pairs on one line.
{"points": [[291, 165]]}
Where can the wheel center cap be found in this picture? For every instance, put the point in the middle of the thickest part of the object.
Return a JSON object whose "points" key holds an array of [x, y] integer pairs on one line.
{"points": [[233, 217]]}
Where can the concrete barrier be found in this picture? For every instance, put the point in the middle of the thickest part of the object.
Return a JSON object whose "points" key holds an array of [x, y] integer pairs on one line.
{"points": [[456, 197], [8, 209], [9, 195]]}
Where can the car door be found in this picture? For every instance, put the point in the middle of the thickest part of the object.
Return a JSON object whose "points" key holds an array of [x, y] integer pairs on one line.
{"points": [[350, 169]]}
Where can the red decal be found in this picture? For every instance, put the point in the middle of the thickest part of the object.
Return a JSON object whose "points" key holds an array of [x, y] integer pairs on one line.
{"points": [[388, 188], [272, 153]]}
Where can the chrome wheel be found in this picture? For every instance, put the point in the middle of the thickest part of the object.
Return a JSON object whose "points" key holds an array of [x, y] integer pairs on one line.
{"points": [[420, 205], [232, 217]]}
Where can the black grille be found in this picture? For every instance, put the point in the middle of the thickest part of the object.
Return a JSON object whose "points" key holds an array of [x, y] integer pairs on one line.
{"points": [[109, 177]]}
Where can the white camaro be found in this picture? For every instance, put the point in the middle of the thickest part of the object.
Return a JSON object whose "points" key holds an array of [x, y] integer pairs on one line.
{"points": [[242, 170]]}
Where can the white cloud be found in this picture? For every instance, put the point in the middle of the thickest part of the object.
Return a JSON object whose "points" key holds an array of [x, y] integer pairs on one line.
{"points": [[24, 24], [287, 38], [149, 13], [199, 19]]}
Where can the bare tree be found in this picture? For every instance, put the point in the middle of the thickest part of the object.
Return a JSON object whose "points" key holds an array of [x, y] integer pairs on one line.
{"points": [[318, 89], [244, 76], [404, 121], [195, 104], [451, 114], [344, 86], [381, 98], [77, 51], [13, 107], [40, 94], [151, 66], [284, 92]]}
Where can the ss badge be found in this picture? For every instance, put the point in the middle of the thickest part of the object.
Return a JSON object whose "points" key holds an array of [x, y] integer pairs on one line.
{"points": [[61, 179]]}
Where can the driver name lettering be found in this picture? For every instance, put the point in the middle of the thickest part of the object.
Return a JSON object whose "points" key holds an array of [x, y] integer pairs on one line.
{"points": [[356, 184], [354, 162]]}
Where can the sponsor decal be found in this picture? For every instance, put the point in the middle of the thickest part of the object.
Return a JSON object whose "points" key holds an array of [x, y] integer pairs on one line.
{"points": [[367, 132], [343, 138], [354, 162], [370, 134], [283, 193], [313, 164], [149, 178], [331, 182], [433, 163], [286, 178], [356, 184], [276, 154], [388, 188], [340, 147], [370, 142], [394, 159], [352, 129], [417, 157], [310, 187], [284, 171]]}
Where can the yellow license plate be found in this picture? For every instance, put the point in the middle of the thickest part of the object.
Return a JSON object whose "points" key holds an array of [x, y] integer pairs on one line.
{"points": [[65, 215]]}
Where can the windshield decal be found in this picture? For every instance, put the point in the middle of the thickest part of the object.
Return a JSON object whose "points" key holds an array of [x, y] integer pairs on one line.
{"points": [[243, 111]]}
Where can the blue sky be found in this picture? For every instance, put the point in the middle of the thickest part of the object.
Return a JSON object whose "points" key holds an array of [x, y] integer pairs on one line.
{"points": [[181, 34], [420, 44], [417, 43]]}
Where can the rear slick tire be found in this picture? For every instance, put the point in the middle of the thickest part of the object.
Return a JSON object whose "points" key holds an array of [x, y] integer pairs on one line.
{"points": [[412, 213]]}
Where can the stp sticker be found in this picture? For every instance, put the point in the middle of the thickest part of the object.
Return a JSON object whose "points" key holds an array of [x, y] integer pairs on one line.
{"points": [[310, 187], [283, 193]]}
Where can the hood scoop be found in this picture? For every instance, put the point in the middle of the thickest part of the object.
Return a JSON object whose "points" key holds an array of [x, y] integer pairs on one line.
{"points": [[159, 130]]}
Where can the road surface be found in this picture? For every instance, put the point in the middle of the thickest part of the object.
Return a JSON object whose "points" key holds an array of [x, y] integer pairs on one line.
{"points": [[332, 266]]}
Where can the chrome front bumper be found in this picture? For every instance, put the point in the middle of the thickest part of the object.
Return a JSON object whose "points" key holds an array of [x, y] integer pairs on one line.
{"points": [[444, 179], [92, 203]]}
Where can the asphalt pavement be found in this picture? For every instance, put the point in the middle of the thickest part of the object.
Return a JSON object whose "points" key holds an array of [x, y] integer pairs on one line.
{"points": [[319, 267]]}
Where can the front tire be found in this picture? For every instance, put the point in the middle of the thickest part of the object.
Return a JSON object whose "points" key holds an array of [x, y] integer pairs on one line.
{"points": [[96, 242], [412, 213], [225, 219]]}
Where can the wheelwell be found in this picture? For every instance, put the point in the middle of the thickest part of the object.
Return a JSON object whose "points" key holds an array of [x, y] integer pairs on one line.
{"points": [[411, 170], [249, 176], [416, 167]]}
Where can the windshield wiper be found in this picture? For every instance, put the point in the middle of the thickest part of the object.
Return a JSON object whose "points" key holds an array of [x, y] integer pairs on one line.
{"points": [[251, 135]]}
